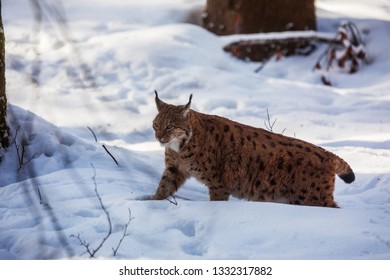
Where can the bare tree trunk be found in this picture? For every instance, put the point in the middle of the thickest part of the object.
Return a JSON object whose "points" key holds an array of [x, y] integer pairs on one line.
{"points": [[3, 98], [224, 17]]}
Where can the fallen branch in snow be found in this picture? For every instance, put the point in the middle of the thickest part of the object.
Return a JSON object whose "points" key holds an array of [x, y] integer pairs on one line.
{"points": [[108, 152], [346, 48], [41, 201], [104, 147], [264, 48], [93, 133], [124, 234], [84, 243], [258, 69]]}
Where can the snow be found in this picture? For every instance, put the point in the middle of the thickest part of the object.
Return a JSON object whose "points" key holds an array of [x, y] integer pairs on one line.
{"points": [[132, 48]]}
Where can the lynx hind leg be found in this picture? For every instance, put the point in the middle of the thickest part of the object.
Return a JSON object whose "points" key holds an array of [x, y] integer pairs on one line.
{"points": [[320, 193], [332, 203], [328, 189], [324, 199]]}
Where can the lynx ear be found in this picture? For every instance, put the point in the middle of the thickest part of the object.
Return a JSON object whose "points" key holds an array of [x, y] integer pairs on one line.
{"points": [[159, 104], [186, 108]]}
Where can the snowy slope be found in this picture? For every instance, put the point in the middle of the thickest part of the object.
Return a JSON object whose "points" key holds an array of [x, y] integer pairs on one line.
{"points": [[134, 47]]}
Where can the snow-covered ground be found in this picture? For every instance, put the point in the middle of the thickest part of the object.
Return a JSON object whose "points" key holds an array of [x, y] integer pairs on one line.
{"points": [[130, 48]]}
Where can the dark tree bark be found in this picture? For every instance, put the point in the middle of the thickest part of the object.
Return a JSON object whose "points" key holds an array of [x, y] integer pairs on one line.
{"points": [[3, 98], [224, 17]]}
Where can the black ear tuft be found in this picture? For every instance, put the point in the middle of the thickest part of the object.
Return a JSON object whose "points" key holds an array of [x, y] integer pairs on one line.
{"points": [[186, 108], [188, 105], [159, 104]]}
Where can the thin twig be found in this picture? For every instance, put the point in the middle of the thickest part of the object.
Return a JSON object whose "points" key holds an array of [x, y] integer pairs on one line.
{"points": [[124, 234], [104, 147], [174, 200], [45, 204], [325, 53], [17, 147], [21, 152], [105, 211], [268, 123], [83, 243], [258, 69], [93, 133], [30, 159], [108, 152]]}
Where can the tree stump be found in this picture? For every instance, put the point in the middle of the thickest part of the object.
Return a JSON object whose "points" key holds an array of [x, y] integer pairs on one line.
{"points": [[225, 17]]}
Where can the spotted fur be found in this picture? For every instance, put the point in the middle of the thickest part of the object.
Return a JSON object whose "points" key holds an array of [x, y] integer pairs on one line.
{"points": [[250, 163]]}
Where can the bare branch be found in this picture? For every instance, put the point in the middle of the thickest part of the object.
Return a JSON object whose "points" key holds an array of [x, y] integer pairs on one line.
{"points": [[104, 147], [20, 152], [93, 133], [268, 123], [105, 211], [83, 243], [174, 201], [264, 62], [45, 204], [108, 152], [347, 54], [124, 234]]}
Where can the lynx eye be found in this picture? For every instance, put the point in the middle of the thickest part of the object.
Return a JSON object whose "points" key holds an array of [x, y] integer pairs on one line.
{"points": [[169, 127], [155, 125]]}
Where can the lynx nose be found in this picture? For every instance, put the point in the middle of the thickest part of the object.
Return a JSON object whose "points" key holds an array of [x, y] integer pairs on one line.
{"points": [[158, 135], [160, 138]]}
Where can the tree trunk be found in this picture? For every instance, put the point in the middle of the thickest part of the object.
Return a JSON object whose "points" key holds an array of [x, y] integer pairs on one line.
{"points": [[3, 98], [224, 17]]}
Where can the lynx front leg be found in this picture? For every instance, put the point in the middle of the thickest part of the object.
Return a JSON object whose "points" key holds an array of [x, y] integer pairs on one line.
{"points": [[170, 182], [218, 193]]}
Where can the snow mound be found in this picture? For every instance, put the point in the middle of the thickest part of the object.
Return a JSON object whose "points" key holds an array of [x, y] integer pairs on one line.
{"points": [[37, 147]]}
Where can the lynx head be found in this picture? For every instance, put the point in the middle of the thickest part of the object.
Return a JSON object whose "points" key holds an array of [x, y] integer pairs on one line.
{"points": [[171, 124]]}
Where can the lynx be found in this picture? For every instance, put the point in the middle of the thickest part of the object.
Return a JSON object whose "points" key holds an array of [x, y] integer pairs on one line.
{"points": [[249, 163]]}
